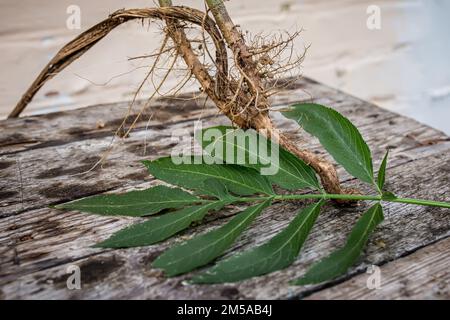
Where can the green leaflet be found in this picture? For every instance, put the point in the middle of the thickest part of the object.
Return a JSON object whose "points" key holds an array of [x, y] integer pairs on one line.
{"points": [[278, 253], [159, 228], [339, 261], [382, 172], [387, 195], [206, 247], [239, 180], [133, 203], [250, 149], [213, 187], [337, 135]]}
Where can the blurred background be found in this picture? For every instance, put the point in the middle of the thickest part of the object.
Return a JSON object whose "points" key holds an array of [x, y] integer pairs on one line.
{"points": [[401, 64]]}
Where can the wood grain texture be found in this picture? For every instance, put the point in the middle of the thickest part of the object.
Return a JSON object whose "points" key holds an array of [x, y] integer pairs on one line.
{"points": [[37, 243], [424, 274]]}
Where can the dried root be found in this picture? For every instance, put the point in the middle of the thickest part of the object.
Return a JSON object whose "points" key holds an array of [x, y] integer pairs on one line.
{"points": [[237, 73]]}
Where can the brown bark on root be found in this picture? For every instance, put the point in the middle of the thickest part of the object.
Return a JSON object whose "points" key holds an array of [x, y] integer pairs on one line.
{"points": [[81, 44], [246, 108], [261, 120]]}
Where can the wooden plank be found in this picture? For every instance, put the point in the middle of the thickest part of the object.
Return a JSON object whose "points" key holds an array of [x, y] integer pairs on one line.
{"points": [[60, 128], [30, 180], [47, 241], [424, 274], [63, 127], [38, 243]]}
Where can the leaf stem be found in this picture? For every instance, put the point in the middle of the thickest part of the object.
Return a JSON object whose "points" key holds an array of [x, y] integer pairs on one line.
{"points": [[421, 202], [327, 196]]}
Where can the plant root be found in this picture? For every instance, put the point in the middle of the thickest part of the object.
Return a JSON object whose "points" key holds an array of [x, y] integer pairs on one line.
{"points": [[240, 90]]}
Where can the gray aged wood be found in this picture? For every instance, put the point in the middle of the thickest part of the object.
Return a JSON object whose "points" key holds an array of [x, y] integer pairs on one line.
{"points": [[425, 274], [47, 160]]}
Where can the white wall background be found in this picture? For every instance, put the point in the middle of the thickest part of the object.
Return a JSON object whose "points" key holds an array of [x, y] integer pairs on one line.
{"points": [[404, 66]]}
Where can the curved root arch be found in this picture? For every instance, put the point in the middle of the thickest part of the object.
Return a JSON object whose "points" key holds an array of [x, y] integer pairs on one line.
{"points": [[81, 44], [248, 108]]}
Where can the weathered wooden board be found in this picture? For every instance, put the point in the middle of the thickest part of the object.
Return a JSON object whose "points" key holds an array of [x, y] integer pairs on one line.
{"points": [[45, 182], [48, 161], [425, 274]]}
